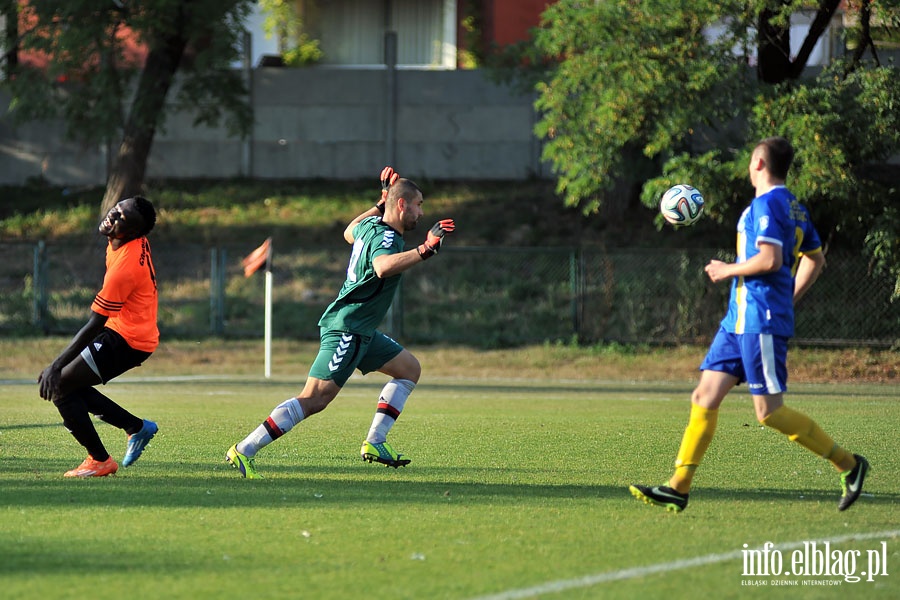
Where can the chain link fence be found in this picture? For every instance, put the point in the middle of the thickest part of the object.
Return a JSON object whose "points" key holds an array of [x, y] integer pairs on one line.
{"points": [[484, 297]]}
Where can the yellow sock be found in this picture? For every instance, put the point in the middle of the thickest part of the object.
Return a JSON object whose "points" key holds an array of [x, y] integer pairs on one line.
{"points": [[806, 432], [697, 436]]}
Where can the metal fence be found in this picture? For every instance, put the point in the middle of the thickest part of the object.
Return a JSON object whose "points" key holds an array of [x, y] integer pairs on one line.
{"points": [[484, 297]]}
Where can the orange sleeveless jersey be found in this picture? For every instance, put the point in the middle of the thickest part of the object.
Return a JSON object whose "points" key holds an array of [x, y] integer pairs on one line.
{"points": [[129, 296]]}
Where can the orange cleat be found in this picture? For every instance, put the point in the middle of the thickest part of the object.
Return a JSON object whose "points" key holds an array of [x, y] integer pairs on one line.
{"points": [[94, 468]]}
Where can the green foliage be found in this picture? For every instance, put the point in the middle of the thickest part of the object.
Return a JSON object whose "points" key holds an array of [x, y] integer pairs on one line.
{"points": [[471, 52], [632, 80], [92, 55], [306, 52], [844, 127], [839, 125], [196, 210], [208, 84], [281, 19], [41, 223], [883, 244], [722, 183], [641, 92], [17, 309]]}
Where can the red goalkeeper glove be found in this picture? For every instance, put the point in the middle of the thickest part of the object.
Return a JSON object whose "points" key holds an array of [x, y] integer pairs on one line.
{"points": [[388, 178], [435, 237]]}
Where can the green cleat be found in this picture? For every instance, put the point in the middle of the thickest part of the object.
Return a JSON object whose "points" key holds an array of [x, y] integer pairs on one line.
{"points": [[241, 463], [852, 482], [382, 453], [660, 496]]}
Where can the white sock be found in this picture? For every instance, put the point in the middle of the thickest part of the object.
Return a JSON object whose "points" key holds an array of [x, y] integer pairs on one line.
{"points": [[390, 405], [281, 420]]}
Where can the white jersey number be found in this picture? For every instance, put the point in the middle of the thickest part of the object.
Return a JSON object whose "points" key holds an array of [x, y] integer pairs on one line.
{"points": [[354, 258]]}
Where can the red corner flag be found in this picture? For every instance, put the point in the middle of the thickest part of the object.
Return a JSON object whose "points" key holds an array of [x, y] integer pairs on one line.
{"points": [[256, 259]]}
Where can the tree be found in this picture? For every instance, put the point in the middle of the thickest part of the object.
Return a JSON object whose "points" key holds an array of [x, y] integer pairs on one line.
{"points": [[107, 69], [283, 22], [657, 92], [9, 11]]}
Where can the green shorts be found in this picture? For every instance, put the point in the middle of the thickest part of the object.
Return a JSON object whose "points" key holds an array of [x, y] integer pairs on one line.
{"points": [[341, 352]]}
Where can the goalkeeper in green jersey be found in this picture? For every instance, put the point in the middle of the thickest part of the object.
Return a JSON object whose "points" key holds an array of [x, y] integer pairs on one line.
{"points": [[349, 339]]}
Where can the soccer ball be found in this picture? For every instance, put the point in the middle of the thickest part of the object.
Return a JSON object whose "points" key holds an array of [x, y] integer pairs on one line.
{"points": [[681, 205]]}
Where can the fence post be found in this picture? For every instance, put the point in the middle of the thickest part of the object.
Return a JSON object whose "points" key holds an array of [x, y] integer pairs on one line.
{"points": [[39, 312], [394, 318], [213, 278], [217, 291], [575, 260], [247, 142], [390, 100]]}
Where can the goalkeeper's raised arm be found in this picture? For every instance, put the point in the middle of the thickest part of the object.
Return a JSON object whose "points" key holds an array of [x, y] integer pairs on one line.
{"points": [[402, 211], [400, 208], [388, 178]]}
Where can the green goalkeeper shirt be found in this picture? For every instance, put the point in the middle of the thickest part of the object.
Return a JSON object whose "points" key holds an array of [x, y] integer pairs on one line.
{"points": [[365, 298]]}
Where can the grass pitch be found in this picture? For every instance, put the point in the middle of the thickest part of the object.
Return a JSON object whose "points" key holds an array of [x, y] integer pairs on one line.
{"points": [[516, 490]]}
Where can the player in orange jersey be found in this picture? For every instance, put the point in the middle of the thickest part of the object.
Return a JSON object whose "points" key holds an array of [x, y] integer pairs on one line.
{"points": [[120, 334]]}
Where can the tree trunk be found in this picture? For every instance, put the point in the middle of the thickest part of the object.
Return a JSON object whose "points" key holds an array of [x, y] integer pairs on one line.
{"points": [[126, 176], [865, 20], [11, 43], [816, 29], [774, 47], [775, 64]]}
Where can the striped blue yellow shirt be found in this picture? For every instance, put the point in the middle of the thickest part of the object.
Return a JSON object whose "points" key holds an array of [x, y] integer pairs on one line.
{"points": [[765, 303]]}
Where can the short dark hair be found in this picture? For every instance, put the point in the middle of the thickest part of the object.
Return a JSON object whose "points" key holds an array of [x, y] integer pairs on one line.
{"points": [[778, 154], [403, 188], [148, 213]]}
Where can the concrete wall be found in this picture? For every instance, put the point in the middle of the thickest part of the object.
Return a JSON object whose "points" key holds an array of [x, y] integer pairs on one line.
{"points": [[318, 123], [38, 150]]}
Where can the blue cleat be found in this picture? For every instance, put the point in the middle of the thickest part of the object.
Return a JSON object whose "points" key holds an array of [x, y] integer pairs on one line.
{"points": [[138, 441]]}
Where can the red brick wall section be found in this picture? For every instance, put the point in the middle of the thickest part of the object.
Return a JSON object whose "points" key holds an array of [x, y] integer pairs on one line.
{"points": [[508, 21]]}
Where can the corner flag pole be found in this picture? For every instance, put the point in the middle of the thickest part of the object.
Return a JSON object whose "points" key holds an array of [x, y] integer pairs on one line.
{"points": [[252, 263], [268, 319]]}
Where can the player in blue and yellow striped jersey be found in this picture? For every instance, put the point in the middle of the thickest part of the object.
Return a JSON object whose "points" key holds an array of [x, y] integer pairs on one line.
{"points": [[349, 339], [779, 256]]}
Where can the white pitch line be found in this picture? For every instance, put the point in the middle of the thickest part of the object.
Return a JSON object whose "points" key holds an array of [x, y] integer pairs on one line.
{"points": [[677, 565]]}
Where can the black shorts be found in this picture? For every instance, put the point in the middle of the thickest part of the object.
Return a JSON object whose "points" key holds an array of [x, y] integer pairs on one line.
{"points": [[109, 355]]}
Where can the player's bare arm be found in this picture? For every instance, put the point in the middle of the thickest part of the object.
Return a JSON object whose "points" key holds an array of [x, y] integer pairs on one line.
{"points": [[387, 265], [768, 260], [348, 231], [388, 178], [808, 270]]}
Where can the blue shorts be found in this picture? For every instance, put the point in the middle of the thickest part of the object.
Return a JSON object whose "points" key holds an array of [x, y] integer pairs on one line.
{"points": [[340, 353], [760, 359]]}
